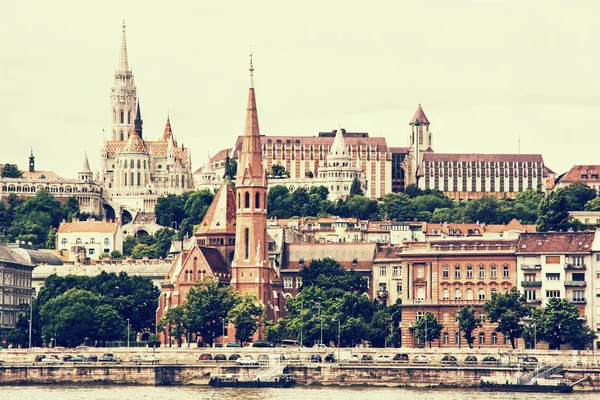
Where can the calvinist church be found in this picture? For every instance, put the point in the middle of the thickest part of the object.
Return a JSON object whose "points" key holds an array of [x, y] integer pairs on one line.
{"points": [[231, 243]]}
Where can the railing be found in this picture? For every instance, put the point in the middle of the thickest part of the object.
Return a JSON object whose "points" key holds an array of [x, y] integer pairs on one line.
{"points": [[533, 301], [575, 283], [538, 372], [579, 301], [531, 267], [531, 283], [461, 301], [573, 266]]}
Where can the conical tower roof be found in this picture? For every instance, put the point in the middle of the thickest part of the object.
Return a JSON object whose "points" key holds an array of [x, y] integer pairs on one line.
{"points": [[168, 131], [220, 216], [135, 144], [338, 148], [86, 165], [419, 117]]}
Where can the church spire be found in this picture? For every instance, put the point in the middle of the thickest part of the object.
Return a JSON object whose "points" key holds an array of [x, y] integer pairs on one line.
{"points": [[31, 161], [123, 60], [138, 121]]}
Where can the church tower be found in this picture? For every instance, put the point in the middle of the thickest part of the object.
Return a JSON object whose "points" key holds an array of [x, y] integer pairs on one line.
{"points": [[251, 271], [123, 96], [420, 142]]}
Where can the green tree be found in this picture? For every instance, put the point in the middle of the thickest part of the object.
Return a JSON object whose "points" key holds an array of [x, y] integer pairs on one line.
{"points": [[328, 274], [208, 305], [413, 191], [484, 210], [299, 199], [526, 205], [449, 215], [279, 171], [593, 205], [467, 323], [553, 214], [362, 208], [427, 329], [578, 194], [172, 324], [170, 210], [397, 206], [11, 171], [196, 205], [508, 310], [279, 202], [108, 323], [116, 255], [230, 167], [559, 322], [163, 238], [356, 188], [379, 328], [274, 331], [245, 316]]}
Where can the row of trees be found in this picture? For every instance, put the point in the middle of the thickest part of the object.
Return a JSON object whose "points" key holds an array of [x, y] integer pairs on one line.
{"points": [[183, 212], [557, 323], [77, 309], [208, 308], [549, 212]]}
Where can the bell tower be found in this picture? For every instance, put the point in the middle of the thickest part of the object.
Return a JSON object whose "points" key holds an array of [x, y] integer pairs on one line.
{"points": [[251, 271], [123, 97]]}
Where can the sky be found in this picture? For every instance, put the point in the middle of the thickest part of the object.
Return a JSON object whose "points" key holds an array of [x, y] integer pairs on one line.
{"points": [[493, 76]]}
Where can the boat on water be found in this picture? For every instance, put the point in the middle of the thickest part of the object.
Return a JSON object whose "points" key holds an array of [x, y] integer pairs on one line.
{"points": [[558, 387], [241, 381]]}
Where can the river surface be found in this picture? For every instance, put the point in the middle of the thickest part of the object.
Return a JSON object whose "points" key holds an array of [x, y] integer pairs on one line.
{"points": [[297, 393]]}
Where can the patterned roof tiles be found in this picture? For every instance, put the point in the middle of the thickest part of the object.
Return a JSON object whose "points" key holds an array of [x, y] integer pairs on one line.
{"points": [[556, 242]]}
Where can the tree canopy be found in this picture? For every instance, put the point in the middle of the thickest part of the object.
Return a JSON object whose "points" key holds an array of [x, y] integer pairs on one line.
{"points": [[427, 328], [467, 323], [11, 171], [508, 310]]}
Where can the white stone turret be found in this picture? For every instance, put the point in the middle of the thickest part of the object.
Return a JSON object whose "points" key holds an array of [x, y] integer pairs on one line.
{"points": [[85, 174], [123, 96]]}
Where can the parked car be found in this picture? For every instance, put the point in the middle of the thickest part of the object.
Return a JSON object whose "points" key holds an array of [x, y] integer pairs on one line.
{"points": [[233, 344], [151, 358], [401, 357], [52, 360], [319, 346], [295, 357], [220, 357], [353, 358], [471, 360], [420, 359], [489, 360], [234, 357], [261, 343], [136, 358], [330, 358], [246, 360], [383, 358], [78, 359], [263, 357], [530, 362], [367, 357], [67, 357], [39, 358], [204, 357], [449, 360], [109, 358], [281, 357], [315, 358], [92, 358]]}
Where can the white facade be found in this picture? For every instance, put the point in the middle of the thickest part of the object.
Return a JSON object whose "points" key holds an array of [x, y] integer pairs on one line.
{"points": [[96, 238]]}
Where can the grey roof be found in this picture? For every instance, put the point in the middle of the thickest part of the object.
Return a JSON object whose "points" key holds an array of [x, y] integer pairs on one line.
{"points": [[8, 255], [38, 257]]}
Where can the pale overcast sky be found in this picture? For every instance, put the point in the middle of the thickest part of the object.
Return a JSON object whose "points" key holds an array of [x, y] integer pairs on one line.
{"points": [[484, 71]]}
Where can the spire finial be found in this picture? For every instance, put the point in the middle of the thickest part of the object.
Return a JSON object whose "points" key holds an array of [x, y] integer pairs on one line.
{"points": [[124, 64], [251, 69]]}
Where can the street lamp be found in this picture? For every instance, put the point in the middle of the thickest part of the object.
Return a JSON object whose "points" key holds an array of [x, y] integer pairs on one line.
{"points": [[301, 321], [127, 332], [223, 335], [32, 298], [338, 344], [318, 305]]}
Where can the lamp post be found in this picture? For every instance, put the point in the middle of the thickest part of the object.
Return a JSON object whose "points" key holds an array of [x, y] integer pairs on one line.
{"points": [[458, 322], [318, 305], [301, 322], [223, 335], [30, 317], [391, 326], [127, 332], [534, 336], [426, 337], [338, 344]]}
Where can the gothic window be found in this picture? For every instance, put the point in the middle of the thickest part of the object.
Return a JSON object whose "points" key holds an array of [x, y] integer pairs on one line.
{"points": [[239, 201], [144, 164], [125, 179], [131, 164], [246, 243], [138, 179], [257, 200], [247, 200], [139, 164], [131, 180], [182, 181], [121, 134], [122, 117], [114, 116], [129, 116]]}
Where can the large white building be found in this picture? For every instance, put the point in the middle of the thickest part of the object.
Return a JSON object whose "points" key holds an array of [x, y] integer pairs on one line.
{"points": [[136, 171], [96, 239]]}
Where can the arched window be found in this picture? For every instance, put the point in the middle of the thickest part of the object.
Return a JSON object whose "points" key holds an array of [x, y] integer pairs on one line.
{"points": [[247, 200], [114, 116], [182, 181], [138, 179], [121, 134], [139, 164], [122, 117], [239, 201], [64, 241], [257, 200], [78, 241], [445, 294], [125, 179], [457, 294], [92, 241], [481, 294], [246, 242], [131, 164], [265, 201], [481, 338], [144, 164], [469, 294], [129, 116], [421, 293], [494, 338], [446, 337]]}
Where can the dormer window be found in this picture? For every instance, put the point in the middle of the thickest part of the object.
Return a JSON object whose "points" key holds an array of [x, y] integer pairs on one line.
{"points": [[584, 176]]}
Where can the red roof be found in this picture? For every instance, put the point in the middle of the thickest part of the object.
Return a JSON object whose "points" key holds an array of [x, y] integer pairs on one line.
{"points": [[469, 157], [297, 141], [556, 242], [576, 172], [220, 216], [419, 117]]}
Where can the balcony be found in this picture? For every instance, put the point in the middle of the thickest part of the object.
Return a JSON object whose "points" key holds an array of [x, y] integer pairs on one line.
{"points": [[382, 294], [578, 301], [531, 267], [572, 266], [534, 301], [575, 283], [531, 283]]}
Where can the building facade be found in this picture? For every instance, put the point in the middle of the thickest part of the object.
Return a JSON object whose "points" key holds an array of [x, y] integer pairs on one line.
{"points": [[15, 286], [92, 239]]}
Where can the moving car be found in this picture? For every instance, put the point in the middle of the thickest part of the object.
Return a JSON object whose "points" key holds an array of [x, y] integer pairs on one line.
{"points": [[136, 358], [67, 357], [401, 357], [246, 360], [261, 343], [530, 362], [420, 359], [39, 358], [449, 360], [315, 358], [353, 358], [92, 358], [367, 357], [319, 346], [471, 360], [263, 357], [383, 358]]}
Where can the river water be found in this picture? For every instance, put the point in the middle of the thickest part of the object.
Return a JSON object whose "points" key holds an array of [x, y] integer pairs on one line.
{"points": [[297, 393]]}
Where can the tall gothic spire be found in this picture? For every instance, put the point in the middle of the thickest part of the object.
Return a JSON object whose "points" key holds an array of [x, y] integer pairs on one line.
{"points": [[123, 61], [250, 166], [138, 121]]}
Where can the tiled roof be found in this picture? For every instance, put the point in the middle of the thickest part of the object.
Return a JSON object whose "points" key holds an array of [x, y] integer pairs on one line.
{"points": [[297, 141], [555, 242], [51, 175], [135, 144], [214, 259], [220, 216], [7, 255], [88, 227], [402, 150], [470, 157], [574, 174], [157, 149], [419, 116], [343, 253]]}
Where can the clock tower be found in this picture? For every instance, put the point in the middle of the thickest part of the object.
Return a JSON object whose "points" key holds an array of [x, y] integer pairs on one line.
{"points": [[251, 271]]}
